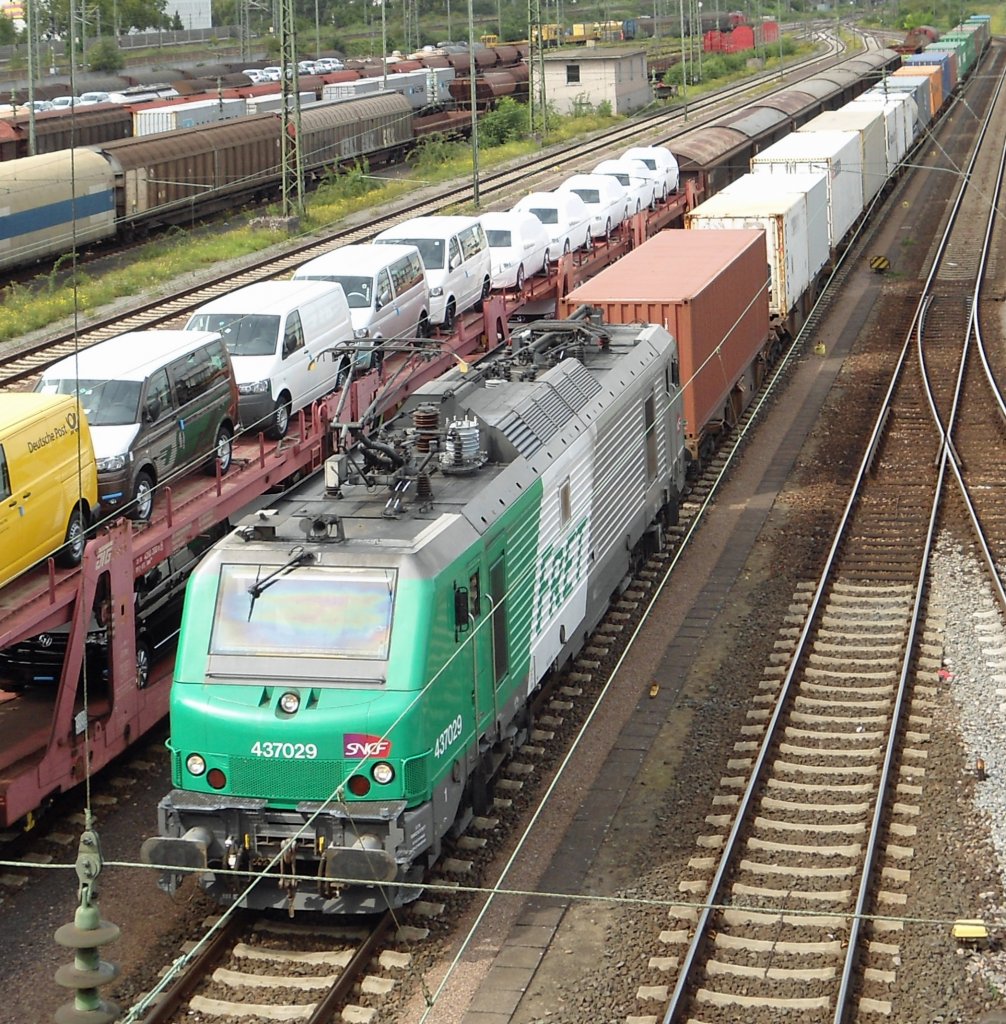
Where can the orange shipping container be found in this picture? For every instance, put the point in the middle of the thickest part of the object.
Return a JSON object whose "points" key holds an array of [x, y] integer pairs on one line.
{"points": [[935, 75], [709, 289]]}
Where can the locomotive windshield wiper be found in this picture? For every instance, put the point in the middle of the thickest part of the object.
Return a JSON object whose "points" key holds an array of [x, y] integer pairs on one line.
{"points": [[298, 557]]}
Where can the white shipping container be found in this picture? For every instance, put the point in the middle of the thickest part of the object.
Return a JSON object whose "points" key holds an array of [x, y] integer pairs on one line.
{"points": [[813, 186], [917, 87], [869, 125], [837, 154], [413, 85], [350, 90], [900, 116], [783, 218], [443, 78], [150, 120], [274, 102]]}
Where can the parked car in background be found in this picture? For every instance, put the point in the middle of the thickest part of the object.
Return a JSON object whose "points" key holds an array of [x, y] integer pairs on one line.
{"points": [[89, 98], [565, 217], [606, 200], [636, 178], [659, 159], [518, 247]]}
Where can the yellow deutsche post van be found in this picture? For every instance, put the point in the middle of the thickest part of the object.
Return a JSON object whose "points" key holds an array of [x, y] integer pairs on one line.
{"points": [[48, 481]]}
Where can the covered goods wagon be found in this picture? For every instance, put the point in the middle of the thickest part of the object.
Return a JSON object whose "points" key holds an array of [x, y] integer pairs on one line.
{"points": [[58, 200]]}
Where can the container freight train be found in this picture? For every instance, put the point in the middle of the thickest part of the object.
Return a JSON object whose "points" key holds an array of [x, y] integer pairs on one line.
{"points": [[808, 188], [85, 195]]}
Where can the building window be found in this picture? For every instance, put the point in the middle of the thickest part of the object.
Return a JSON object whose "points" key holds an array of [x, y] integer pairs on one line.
{"points": [[572, 74]]}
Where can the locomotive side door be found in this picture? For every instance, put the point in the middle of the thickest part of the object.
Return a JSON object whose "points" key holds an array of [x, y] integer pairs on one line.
{"points": [[480, 639]]}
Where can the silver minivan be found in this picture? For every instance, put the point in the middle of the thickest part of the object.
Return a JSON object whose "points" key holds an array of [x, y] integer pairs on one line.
{"points": [[287, 339], [456, 256], [385, 286], [159, 403]]}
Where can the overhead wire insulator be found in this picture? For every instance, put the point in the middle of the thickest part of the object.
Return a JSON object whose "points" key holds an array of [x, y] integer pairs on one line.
{"points": [[87, 935]]}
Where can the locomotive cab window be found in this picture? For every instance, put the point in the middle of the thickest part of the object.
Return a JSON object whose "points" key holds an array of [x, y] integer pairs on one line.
{"points": [[311, 611], [474, 596]]}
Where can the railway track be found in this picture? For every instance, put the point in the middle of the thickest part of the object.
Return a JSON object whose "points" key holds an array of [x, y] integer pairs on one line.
{"points": [[794, 900], [26, 360], [253, 966]]}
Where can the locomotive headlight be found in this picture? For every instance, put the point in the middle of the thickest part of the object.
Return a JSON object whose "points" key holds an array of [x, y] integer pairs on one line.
{"points": [[383, 773], [290, 703], [196, 764]]}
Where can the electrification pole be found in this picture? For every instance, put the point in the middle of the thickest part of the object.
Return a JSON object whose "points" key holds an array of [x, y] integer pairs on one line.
{"points": [[31, 29], [475, 113], [290, 155]]}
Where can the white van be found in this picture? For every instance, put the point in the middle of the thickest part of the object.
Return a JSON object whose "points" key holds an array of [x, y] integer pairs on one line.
{"points": [[456, 257], [385, 286], [288, 341], [606, 199]]}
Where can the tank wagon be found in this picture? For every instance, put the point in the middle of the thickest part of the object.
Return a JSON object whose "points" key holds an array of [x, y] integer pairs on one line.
{"points": [[452, 561]]}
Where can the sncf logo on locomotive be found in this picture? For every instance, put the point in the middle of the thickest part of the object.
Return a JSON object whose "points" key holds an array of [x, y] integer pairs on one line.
{"points": [[359, 744]]}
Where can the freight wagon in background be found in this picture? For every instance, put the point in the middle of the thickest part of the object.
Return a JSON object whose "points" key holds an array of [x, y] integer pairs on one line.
{"points": [[741, 38]]}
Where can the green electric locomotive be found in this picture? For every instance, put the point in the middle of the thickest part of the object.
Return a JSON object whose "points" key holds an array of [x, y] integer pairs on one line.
{"points": [[355, 660]]}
